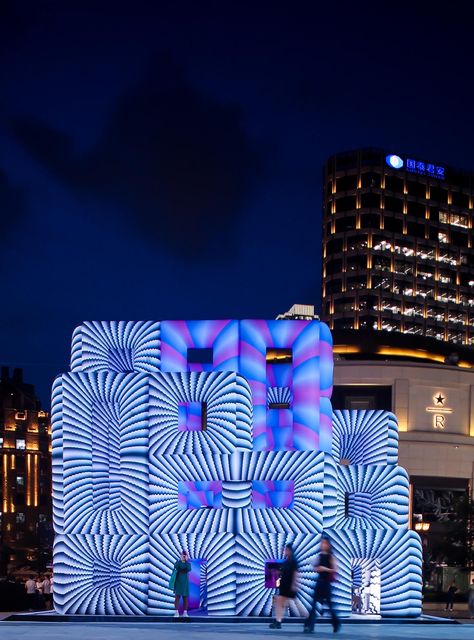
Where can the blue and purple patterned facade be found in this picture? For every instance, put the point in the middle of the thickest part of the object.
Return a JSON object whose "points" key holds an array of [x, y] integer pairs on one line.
{"points": [[219, 437]]}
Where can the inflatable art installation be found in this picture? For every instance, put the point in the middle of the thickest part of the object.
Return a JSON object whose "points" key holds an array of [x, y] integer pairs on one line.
{"points": [[218, 437]]}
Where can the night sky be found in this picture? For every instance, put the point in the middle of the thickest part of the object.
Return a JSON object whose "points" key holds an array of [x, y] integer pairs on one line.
{"points": [[165, 160]]}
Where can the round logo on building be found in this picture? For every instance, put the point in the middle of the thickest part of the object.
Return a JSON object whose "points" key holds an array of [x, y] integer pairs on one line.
{"points": [[394, 161]]}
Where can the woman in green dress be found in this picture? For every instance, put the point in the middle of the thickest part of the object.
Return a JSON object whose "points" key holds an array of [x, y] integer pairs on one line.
{"points": [[181, 584]]}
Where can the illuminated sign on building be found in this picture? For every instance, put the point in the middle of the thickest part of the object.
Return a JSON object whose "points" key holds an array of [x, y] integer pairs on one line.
{"points": [[439, 410], [394, 161], [416, 166]]}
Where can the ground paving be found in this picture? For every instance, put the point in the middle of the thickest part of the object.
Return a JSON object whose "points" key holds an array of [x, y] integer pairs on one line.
{"points": [[203, 631]]}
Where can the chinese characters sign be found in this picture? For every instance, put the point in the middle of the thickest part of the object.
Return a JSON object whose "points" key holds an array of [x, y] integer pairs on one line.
{"points": [[425, 169], [416, 166]]}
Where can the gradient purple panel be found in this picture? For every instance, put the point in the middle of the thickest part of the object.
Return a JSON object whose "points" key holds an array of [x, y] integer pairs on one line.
{"points": [[272, 494], [279, 375], [326, 360], [272, 573], [325, 424], [200, 494], [310, 370], [279, 429], [190, 416], [197, 585], [177, 336]]}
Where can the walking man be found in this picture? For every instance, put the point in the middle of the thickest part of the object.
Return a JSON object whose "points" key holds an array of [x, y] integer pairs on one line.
{"points": [[326, 569]]}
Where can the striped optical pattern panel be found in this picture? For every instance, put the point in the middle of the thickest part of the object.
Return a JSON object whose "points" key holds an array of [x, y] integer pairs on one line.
{"points": [[278, 492], [365, 437], [218, 437], [396, 552], [372, 497], [116, 346]]}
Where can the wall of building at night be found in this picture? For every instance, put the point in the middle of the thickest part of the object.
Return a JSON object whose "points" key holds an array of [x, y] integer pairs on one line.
{"points": [[25, 476], [398, 252], [218, 437], [434, 405]]}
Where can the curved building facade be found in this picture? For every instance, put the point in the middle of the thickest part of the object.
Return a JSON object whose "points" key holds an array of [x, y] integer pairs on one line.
{"points": [[398, 246]]}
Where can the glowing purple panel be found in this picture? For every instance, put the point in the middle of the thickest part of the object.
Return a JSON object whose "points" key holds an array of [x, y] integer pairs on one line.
{"points": [[272, 573], [191, 416], [303, 366], [273, 494], [280, 428], [198, 585], [179, 336], [199, 495]]}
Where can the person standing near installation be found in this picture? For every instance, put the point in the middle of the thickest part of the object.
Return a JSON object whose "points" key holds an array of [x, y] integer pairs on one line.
{"points": [[326, 568], [179, 582], [288, 585]]}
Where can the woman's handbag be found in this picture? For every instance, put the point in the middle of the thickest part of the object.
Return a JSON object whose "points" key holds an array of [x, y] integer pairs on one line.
{"points": [[172, 580]]}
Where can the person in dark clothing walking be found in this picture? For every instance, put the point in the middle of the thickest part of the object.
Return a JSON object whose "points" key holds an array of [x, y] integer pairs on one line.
{"points": [[326, 569], [450, 596], [288, 587]]}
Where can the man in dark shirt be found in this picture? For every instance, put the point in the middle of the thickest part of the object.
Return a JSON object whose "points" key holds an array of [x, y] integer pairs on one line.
{"points": [[326, 568]]}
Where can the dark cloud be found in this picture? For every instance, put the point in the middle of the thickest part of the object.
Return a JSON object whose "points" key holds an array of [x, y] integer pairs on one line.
{"points": [[179, 162], [12, 205]]}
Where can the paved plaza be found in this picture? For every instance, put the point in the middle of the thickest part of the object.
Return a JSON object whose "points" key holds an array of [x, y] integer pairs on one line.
{"points": [[206, 631]]}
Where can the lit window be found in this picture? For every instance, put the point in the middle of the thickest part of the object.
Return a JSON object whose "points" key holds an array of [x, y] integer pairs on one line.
{"points": [[446, 297], [425, 253], [446, 258], [425, 274], [443, 237], [20, 481], [455, 219], [21, 444], [445, 279], [414, 329], [383, 246]]}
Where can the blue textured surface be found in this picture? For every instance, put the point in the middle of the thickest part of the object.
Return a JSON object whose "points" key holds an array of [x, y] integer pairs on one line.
{"points": [[133, 485]]}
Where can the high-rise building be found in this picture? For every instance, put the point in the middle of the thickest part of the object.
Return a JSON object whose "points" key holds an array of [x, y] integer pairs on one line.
{"points": [[25, 475], [398, 250], [398, 293]]}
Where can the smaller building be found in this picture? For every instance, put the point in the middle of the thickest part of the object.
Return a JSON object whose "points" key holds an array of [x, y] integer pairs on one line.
{"points": [[25, 477], [299, 312]]}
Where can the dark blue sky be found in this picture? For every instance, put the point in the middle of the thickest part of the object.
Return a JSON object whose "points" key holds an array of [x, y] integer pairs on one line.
{"points": [[165, 161]]}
